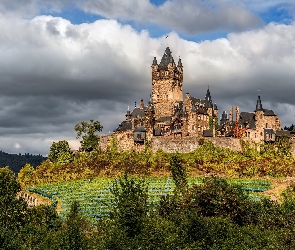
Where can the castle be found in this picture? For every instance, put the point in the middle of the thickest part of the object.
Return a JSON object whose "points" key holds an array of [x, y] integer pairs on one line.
{"points": [[169, 115]]}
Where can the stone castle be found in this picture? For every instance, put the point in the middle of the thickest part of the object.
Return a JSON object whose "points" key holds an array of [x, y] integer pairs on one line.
{"points": [[170, 116]]}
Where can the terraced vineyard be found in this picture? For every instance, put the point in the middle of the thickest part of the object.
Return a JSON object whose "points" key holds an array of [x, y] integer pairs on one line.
{"points": [[95, 198]]}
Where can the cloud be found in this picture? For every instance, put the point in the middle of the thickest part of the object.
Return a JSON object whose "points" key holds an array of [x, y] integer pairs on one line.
{"points": [[55, 74], [188, 16]]}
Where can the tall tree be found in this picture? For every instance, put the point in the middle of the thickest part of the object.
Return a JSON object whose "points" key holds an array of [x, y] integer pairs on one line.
{"points": [[60, 152], [87, 131]]}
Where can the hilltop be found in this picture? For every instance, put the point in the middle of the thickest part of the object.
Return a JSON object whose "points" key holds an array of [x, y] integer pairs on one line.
{"points": [[17, 161]]}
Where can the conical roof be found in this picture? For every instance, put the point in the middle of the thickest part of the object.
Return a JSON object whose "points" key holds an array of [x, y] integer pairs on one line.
{"points": [[166, 59]]}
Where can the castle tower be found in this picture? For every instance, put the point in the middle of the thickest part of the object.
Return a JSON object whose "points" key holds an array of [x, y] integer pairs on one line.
{"points": [[167, 81]]}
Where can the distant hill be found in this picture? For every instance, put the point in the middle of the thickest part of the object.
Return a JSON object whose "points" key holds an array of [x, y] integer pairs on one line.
{"points": [[16, 161]]}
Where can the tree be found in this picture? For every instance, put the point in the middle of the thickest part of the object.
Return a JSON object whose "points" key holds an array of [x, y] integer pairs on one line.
{"points": [[60, 152], [75, 227], [129, 204], [178, 174], [12, 210], [86, 131]]}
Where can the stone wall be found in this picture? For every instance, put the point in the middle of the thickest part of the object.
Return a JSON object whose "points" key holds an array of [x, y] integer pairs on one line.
{"points": [[188, 144], [31, 201], [169, 144], [177, 144]]}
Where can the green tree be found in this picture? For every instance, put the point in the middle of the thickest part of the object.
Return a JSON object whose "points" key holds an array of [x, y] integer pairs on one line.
{"points": [[75, 229], [178, 173], [60, 152], [12, 210], [86, 131], [25, 174], [129, 204]]}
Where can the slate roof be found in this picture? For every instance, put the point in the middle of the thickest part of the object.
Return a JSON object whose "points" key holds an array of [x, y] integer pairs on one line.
{"points": [[125, 125], [247, 119], [268, 112], [166, 59], [283, 133], [140, 129], [138, 112], [199, 106]]}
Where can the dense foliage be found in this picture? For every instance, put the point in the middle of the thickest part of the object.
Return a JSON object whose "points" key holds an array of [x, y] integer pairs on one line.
{"points": [[256, 160], [87, 131], [60, 152], [17, 161], [214, 215]]}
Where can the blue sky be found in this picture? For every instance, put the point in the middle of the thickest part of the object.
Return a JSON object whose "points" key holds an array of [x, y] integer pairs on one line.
{"points": [[64, 61], [278, 12]]}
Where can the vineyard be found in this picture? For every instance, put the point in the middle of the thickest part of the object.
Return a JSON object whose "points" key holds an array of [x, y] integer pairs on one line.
{"points": [[95, 197]]}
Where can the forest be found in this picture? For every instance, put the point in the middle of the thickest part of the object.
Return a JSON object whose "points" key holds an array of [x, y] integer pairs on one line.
{"points": [[17, 161], [212, 214]]}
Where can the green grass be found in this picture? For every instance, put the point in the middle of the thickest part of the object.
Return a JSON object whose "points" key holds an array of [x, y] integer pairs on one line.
{"points": [[95, 198]]}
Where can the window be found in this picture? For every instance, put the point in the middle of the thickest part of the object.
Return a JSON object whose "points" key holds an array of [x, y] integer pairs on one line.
{"points": [[193, 115], [158, 96], [193, 127], [260, 133], [138, 136], [249, 134], [167, 97], [199, 129], [261, 116], [266, 125]]}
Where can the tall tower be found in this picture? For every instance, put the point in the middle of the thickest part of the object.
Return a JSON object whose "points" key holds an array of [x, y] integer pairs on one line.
{"points": [[167, 81]]}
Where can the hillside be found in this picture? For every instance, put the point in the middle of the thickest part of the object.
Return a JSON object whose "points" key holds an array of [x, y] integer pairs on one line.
{"points": [[17, 161]]}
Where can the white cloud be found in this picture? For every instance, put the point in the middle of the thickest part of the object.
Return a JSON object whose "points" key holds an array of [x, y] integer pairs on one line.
{"points": [[55, 74]]}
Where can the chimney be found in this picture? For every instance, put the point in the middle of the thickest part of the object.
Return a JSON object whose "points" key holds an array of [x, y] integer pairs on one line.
{"points": [[141, 104], [237, 113], [231, 117]]}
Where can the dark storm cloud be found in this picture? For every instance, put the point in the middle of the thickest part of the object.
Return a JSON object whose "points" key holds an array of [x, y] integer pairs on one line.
{"points": [[51, 78]]}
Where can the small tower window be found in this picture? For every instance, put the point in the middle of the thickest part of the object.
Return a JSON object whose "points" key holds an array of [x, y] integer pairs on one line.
{"points": [[266, 125], [158, 96], [193, 127], [193, 115], [167, 97]]}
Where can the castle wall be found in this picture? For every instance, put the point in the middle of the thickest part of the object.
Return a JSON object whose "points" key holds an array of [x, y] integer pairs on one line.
{"points": [[188, 144], [169, 144]]}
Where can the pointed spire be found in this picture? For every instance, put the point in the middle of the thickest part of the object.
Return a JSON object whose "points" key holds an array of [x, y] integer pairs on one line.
{"points": [[166, 59], [155, 61], [208, 99], [179, 63], [258, 105]]}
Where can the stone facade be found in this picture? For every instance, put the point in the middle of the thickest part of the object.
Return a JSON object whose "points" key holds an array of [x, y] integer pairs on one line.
{"points": [[260, 125], [168, 115]]}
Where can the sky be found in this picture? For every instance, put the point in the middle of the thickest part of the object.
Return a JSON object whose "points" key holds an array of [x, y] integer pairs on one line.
{"points": [[65, 61]]}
